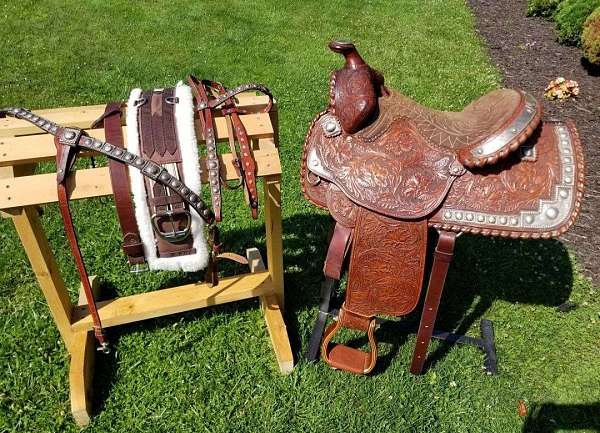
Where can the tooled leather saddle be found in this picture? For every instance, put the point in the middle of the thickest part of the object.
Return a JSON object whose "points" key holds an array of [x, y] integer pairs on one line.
{"points": [[389, 169]]}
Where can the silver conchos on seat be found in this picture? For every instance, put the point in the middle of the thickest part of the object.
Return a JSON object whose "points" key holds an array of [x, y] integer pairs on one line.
{"points": [[550, 213], [331, 125]]}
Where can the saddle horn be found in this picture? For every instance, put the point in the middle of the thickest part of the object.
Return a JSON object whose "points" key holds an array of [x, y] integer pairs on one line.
{"points": [[354, 89]]}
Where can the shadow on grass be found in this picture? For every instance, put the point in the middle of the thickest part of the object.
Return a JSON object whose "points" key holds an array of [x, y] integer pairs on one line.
{"points": [[484, 270], [536, 272], [552, 417]]}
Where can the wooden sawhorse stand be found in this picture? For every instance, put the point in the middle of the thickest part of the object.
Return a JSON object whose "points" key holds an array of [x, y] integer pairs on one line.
{"points": [[21, 192]]}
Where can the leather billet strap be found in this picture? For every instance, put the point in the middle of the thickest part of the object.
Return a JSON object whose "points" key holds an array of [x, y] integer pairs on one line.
{"points": [[442, 257], [337, 251], [348, 358], [170, 216], [119, 178]]}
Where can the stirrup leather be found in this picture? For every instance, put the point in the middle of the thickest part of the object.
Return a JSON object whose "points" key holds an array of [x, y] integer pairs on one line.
{"points": [[348, 358]]}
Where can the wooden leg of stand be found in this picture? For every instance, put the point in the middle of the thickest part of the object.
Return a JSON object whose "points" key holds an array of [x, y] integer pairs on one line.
{"points": [[272, 200], [33, 238], [274, 318], [442, 258], [81, 371]]}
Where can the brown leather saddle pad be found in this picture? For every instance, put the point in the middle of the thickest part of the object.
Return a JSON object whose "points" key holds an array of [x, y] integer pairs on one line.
{"points": [[387, 168]]}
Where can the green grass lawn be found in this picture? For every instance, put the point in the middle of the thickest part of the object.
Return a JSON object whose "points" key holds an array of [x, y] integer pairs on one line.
{"points": [[213, 370]]}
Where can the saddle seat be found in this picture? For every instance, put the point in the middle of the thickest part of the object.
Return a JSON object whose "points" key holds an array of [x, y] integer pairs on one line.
{"points": [[404, 162], [488, 129]]}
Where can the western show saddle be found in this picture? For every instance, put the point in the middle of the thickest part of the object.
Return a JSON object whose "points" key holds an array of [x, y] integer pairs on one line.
{"points": [[389, 169], [161, 144]]}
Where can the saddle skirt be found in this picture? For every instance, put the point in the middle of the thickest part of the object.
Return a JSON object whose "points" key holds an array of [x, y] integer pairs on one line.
{"points": [[534, 192]]}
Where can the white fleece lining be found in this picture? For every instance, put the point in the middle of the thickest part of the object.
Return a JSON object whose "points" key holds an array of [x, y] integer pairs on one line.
{"points": [[186, 135]]}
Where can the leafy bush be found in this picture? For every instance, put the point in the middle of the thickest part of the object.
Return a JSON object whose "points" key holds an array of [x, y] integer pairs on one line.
{"points": [[542, 8], [590, 37], [570, 16]]}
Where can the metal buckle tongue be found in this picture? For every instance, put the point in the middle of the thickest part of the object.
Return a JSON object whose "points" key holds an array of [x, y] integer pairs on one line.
{"points": [[103, 348], [174, 235], [139, 268]]}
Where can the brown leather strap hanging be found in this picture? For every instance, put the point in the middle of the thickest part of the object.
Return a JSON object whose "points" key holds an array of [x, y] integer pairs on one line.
{"points": [[244, 161], [65, 157], [212, 159], [444, 252], [336, 253], [119, 178]]}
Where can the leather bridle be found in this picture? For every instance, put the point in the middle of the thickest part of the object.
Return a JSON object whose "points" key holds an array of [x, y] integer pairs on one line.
{"points": [[69, 142]]}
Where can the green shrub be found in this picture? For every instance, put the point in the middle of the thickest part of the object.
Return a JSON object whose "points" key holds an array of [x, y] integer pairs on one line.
{"points": [[542, 8], [590, 38], [570, 16]]}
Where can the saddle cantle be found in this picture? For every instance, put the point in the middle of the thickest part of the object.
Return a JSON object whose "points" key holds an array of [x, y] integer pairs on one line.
{"points": [[387, 168]]}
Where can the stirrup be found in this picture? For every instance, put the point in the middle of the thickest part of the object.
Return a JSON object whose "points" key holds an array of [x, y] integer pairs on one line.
{"points": [[348, 358]]}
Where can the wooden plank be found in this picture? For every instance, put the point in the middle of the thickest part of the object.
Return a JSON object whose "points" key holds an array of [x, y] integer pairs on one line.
{"points": [[255, 260], [28, 149], [81, 373], [265, 144], [44, 266], [174, 300], [10, 172], [273, 318], [81, 368], [278, 333], [95, 182], [272, 200], [83, 117]]}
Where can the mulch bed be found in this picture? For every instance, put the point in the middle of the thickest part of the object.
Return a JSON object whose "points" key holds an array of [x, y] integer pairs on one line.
{"points": [[527, 53]]}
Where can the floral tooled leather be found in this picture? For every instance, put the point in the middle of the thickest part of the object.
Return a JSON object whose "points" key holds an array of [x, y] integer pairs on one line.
{"points": [[386, 266]]}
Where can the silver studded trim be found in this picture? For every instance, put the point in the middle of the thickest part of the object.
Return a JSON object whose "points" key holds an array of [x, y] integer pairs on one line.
{"points": [[331, 125], [498, 141], [70, 136], [314, 164], [213, 167], [152, 170], [550, 213], [528, 152]]}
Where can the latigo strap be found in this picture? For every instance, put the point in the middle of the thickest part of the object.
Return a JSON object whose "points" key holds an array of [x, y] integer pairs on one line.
{"points": [[132, 244], [69, 141]]}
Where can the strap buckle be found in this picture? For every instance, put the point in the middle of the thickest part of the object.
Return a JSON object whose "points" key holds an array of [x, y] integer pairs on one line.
{"points": [[103, 348], [139, 268], [174, 235]]}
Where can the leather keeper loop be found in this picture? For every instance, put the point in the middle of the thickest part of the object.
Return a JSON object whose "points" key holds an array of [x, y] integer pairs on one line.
{"points": [[165, 200]]}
